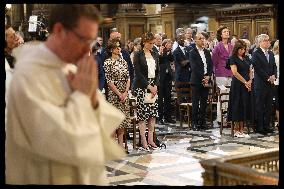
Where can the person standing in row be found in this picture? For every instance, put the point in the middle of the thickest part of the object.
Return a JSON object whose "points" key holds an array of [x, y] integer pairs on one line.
{"points": [[182, 66], [220, 54], [201, 71], [265, 73], [118, 81], [165, 61], [146, 64], [239, 110]]}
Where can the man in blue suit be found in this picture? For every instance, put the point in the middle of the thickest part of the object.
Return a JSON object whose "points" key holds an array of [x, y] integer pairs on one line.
{"points": [[182, 66], [264, 77], [181, 58]]}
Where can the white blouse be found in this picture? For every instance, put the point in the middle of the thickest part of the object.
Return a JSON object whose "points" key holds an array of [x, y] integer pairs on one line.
{"points": [[151, 66]]}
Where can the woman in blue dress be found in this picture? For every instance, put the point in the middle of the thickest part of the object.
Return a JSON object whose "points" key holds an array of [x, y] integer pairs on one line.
{"points": [[239, 109]]}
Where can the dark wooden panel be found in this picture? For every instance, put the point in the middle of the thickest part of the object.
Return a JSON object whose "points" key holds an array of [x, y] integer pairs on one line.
{"points": [[135, 31]]}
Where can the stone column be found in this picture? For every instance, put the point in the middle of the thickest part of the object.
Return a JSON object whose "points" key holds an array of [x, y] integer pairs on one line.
{"points": [[130, 16], [17, 14]]}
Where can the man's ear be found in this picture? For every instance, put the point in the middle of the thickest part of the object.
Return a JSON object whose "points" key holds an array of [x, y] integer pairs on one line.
{"points": [[58, 29]]}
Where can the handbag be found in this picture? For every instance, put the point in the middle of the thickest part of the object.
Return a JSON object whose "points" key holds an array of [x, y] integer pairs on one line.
{"points": [[148, 98]]}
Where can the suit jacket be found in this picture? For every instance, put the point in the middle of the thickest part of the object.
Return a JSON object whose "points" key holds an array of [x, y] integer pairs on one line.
{"points": [[155, 49], [164, 61], [263, 69], [141, 69], [126, 57], [183, 72], [219, 59], [197, 66], [101, 71]]}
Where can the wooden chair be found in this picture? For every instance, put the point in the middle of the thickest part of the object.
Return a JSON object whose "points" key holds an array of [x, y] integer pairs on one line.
{"points": [[210, 103], [183, 90], [133, 119], [223, 106]]}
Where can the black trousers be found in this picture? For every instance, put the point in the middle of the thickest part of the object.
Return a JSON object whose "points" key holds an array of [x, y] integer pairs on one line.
{"points": [[263, 107], [199, 102], [164, 97]]}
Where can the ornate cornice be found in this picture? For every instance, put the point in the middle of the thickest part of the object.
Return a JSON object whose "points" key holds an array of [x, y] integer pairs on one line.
{"points": [[247, 13]]}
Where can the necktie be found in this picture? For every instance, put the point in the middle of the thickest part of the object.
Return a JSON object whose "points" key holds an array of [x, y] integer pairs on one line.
{"points": [[267, 56]]}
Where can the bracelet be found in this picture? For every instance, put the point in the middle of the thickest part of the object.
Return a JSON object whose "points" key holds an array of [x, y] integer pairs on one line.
{"points": [[245, 82]]}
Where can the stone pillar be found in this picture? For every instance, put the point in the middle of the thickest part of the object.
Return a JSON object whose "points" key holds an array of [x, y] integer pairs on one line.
{"points": [[253, 29], [175, 15], [17, 14], [131, 20], [235, 27]]}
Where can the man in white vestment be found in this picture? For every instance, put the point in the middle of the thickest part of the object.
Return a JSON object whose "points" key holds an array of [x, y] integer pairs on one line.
{"points": [[58, 123]]}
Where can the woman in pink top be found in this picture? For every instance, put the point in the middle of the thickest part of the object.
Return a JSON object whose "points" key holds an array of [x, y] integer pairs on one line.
{"points": [[220, 54]]}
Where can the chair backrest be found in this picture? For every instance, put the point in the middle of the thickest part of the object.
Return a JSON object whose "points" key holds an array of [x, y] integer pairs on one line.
{"points": [[132, 106], [183, 90], [224, 101], [214, 88]]}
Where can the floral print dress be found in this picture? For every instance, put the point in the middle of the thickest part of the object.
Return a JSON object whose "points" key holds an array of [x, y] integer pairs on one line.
{"points": [[116, 71]]}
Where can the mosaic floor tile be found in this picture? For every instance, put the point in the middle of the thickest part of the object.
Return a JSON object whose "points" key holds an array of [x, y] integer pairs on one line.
{"points": [[178, 164]]}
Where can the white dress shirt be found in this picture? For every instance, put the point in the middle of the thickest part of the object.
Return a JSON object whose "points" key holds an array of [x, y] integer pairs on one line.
{"points": [[182, 49], [202, 55]]}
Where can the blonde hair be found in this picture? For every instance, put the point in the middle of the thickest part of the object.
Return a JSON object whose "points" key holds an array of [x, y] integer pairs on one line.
{"points": [[275, 48]]}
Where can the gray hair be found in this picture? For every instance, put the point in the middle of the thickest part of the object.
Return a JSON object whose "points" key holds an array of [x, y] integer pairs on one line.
{"points": [[179, 31], [262, 37], [189, 30], [247, 42], [158, 36], [137, 41], [165, 41]]}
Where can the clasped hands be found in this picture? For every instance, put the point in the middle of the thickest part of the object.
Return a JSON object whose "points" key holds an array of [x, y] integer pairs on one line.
{"points": [[85, 79], [248, 85], [205, 80], [271, 79], [123, 96]]}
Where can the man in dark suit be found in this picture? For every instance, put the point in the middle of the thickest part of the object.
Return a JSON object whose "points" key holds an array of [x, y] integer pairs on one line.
{"points": [[164, 92], [182, 66], [201, 70], [101, 71], [181, 58], [264, 77]]}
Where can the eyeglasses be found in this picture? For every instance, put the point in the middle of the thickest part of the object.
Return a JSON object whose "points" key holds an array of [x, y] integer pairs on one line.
{"points": [[83, 39]]}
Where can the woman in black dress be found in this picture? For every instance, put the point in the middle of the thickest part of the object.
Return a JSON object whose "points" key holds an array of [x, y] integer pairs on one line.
{"points": [[146, 64], [239, 101]]}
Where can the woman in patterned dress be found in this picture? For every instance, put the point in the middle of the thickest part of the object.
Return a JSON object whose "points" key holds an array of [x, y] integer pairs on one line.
{"points": [[118, 81], [146, 65]]}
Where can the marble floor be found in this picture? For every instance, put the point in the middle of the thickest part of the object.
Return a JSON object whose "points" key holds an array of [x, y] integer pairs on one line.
{"points": [[178, 163]]}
